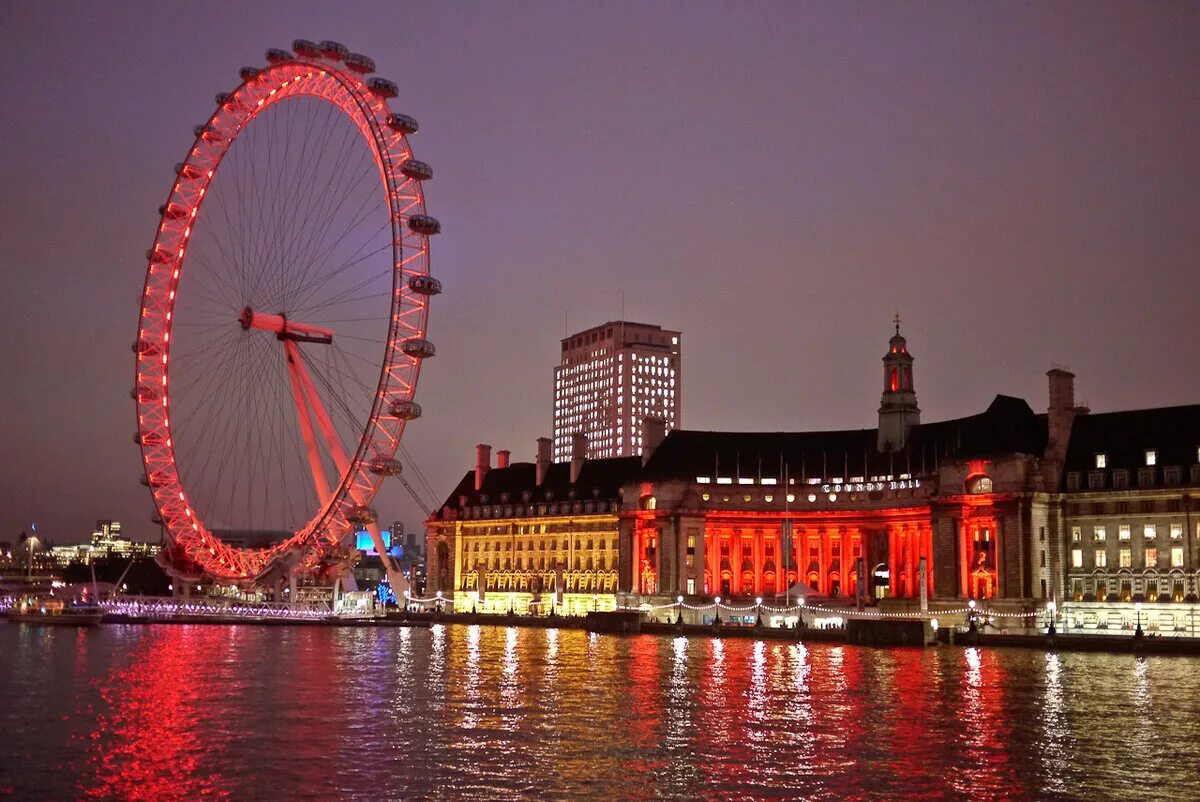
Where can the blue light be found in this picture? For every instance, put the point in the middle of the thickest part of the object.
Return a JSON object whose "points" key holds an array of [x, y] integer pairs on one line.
{"points": [[363, 542]]}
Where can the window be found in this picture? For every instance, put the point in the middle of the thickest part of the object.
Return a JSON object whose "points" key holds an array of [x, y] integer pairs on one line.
{"points": [[1151, 558], [1176, 531], [1101, 460], [1145, 476], [1043, 559], [1101, 558], [1176, 557], [1076, 558], [1151, 456], [1172, 475], [1096, 480], [1097, 533], [1150, 531], [1123, 531], [1126, 558], [1121, 479], [1076, 533], [1042, 535], [1073, 481], [691, 586]]}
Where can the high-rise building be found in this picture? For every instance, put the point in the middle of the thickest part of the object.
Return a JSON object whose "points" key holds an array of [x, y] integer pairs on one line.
{"points": [[611, 379]]}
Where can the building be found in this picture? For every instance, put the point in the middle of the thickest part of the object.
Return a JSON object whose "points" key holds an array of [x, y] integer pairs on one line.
{"points": [[611, 379], [954, 509], [530, 536], [1095, 513], [1130, 506]]}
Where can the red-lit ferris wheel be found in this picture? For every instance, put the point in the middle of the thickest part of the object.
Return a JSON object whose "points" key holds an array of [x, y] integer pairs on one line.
{"points": [[283, 320]]}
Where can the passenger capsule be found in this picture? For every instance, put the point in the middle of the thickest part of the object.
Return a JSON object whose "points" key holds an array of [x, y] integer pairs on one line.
{"points": [[402, 123], [360, 63], [143, 394], [222, 98], [173, 211], [425, 285], [418, 348], [145, 348], [419, 171], [405, 410], [424, 224], [382, 87], [334, 51], [158, 257], [249, 73], [383, 466], [306, 48], [361, 515], [277, 56]]}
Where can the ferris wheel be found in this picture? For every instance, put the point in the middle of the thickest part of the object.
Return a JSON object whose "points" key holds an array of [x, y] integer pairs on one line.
{"points": [[283, 319]]}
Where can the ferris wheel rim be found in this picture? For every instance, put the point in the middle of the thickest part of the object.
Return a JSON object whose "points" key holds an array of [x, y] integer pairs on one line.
{"points": [[304, 76]]}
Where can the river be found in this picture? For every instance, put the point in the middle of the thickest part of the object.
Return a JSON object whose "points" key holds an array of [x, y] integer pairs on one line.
{"points": [[477, 712]]}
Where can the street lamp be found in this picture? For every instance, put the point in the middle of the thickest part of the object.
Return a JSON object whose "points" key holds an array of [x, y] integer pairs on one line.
{"points": [[758, 611], [971, 615], [1137, 632], [1051, 607], [717, 610]]}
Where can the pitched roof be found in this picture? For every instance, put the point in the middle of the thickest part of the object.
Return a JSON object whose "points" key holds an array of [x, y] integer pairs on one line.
{"points": [[1124, 437], [1007, 426], [598, 479]]}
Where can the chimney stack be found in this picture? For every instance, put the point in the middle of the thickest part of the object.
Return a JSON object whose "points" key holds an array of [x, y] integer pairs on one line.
{"points": [[654, 430], [1060, 416], [483, 463], [579, 447], [502, 458], [543, 458]]}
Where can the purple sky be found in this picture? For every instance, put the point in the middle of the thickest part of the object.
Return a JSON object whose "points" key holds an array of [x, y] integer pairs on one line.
{"points": [[775, 179]]}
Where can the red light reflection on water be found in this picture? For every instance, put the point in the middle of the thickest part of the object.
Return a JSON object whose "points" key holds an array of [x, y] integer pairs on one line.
{"points": [[143, 748]]}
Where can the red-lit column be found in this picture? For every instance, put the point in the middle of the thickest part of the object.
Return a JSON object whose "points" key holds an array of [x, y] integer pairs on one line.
{"points": [[758, 562], [964, 558], [893, 561]]}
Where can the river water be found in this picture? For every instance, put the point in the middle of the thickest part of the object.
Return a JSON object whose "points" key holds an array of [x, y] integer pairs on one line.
{"points": [[473, 712]]}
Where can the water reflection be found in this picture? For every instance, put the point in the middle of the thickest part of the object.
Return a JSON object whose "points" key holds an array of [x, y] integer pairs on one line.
{"points": [[507, 713]]}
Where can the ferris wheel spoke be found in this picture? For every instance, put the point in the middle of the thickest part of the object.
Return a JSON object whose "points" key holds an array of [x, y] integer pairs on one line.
{"points": [[307, 303], [337, 175], [305, 287]]}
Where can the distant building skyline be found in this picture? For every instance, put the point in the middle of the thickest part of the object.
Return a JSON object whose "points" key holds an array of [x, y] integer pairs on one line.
{"points": [[610, 379]]}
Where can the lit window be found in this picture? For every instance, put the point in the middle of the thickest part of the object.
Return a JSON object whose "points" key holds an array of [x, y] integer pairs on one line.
{"points": [[1150, 531], [1123, 531], [1077, 558], [1101, 558], [1098, 533], [1176, 531], [1126, 558], [1151, 558], [1176, 557], [1076, 533], [1101, 460], [1151, 456]]}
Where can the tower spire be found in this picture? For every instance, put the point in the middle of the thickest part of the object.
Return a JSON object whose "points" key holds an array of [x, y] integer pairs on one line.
{"points": [[898, 411]]}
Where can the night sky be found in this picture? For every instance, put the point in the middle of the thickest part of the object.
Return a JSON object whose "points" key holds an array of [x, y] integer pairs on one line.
{"points": [[1021, 182]]}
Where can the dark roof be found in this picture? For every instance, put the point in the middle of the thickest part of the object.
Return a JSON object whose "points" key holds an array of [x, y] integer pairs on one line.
{"points": [[598, 479], [1007, 426], [1174, 432]]}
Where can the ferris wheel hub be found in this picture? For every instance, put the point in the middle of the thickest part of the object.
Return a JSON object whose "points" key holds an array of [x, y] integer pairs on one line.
{"points": [[283, 328]]}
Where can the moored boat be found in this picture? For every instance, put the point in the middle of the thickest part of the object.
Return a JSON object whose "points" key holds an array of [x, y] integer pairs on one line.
{"points": [[46, 609]]}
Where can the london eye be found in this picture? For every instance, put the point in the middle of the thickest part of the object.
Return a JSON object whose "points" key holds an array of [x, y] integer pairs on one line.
{"points": [[283, 320]]}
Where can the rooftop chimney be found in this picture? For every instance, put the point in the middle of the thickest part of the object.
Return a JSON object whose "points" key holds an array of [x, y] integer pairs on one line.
{"points": [[483, 463], [502, 458], [543, 458], [579, 447], [653, 432], [1059, 417]]}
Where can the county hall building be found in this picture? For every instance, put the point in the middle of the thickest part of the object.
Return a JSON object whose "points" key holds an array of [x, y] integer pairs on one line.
{"points": [[1009, 505]]}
